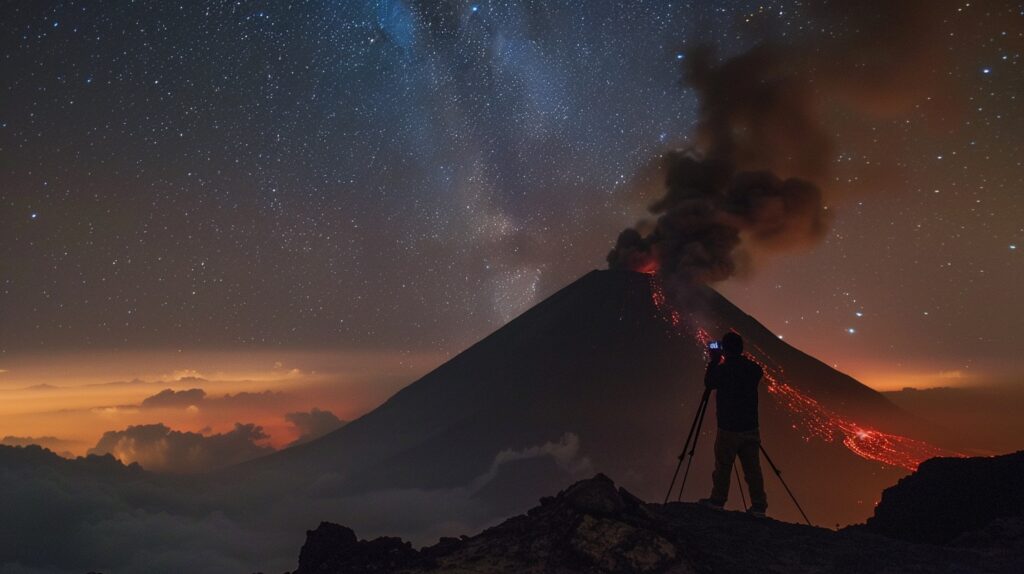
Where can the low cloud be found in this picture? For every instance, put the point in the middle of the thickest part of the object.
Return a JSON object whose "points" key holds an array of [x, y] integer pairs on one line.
{"points": [[421, 515], [159, 448], [565, 452], [313, 424], [169, 398], [57, 445], [251, 399], [97, 514]]}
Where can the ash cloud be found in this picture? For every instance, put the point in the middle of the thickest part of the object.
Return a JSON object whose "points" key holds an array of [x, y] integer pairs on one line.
{"points": [[157, 447], [753, 181]]}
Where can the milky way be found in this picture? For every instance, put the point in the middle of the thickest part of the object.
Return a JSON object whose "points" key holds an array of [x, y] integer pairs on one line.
{"points": [[409, 175]]}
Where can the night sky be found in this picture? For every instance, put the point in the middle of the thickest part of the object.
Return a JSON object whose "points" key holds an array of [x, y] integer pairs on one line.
{"points": [[407, 176]]}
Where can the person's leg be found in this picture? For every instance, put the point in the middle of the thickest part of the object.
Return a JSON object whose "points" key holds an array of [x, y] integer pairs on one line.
{"points": [[725, 454], [749, 452]]}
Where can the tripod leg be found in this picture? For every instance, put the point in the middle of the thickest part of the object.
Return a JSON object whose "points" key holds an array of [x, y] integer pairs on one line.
{"points": [[778, 473], [739, 486], [675, 474], [693, 426], [700, 422]]}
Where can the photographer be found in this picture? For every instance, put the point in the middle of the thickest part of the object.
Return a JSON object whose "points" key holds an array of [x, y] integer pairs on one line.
{"points": [[735, 379]]}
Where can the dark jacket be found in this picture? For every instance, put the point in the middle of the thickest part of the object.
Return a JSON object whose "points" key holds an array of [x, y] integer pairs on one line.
{"points": [[736, 380]]}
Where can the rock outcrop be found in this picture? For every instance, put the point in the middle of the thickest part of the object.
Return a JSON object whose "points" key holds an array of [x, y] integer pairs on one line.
{"points": [[334, 548], [949, 498], [594, 527]]}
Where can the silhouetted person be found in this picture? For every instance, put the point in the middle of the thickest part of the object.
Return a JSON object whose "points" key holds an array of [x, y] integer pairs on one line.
{"points": [[735, 379]]}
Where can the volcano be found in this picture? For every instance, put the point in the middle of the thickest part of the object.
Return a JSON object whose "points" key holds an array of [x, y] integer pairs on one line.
{"points": [[605, 376]]}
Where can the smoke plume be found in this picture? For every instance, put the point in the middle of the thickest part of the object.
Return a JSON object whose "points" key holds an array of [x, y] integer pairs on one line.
{"points": [[753, 180]]}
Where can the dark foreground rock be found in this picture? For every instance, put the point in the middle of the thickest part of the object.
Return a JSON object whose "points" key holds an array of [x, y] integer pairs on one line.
{"points": [[334, 548], [948, 498], [594, 527]]}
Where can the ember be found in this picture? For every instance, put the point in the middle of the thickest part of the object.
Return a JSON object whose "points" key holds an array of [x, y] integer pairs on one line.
{"points": [[668, 313]]}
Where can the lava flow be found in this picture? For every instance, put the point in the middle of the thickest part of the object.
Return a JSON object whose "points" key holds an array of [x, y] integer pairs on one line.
{"points": [[661, 304], [814, 420]]}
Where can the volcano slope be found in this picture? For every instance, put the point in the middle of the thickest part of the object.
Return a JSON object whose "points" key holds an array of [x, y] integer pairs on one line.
{"points": [[603, 376]]}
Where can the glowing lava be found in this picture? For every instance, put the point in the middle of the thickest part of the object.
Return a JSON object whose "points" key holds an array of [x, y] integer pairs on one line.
{"points": [[668, 313], [814, 420]]}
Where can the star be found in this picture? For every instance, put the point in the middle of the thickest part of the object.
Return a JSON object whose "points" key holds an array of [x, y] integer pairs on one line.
{"points": [[304, 152]]}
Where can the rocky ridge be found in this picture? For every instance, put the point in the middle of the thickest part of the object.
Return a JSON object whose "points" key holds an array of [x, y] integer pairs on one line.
{"points": [[595, 527]]}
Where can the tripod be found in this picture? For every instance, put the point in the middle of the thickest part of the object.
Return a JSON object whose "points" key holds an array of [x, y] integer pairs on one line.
{"points": [[698, 420], [690, 446], [778, 473]]}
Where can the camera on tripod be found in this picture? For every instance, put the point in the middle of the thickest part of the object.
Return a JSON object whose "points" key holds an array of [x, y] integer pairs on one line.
{"points": [[715, 351]]}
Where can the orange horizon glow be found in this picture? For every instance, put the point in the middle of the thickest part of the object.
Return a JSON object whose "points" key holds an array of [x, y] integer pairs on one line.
{"points": [[77, 397]]}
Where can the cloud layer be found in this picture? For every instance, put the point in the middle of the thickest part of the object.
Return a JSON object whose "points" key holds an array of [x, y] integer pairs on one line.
{"points": [[169, 398], [313, 424], [158, 448], [94, 513]]}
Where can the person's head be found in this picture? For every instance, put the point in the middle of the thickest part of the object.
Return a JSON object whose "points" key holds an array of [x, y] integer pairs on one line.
{"points": [[732, 344]]}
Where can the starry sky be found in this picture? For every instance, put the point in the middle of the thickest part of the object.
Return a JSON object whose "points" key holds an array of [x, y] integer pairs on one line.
{"points": [[406, 176]]}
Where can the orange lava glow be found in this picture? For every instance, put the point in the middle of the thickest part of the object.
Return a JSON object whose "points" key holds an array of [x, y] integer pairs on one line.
{"points": [[668, 313], [815, 420]]}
